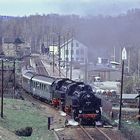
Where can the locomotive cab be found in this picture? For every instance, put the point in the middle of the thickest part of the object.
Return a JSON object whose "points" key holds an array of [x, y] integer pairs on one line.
{"points": [[59, 88]]}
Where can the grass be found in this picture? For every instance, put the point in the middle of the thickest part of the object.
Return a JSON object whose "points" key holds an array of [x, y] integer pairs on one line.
{"points": [[20, 114], [132, 125]]}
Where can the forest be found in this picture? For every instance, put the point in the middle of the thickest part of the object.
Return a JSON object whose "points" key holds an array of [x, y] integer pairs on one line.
{"points": [[101, 34]]}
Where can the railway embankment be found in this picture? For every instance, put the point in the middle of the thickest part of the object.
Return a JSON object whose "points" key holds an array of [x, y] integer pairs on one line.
{"points": [[131, 129], [20, 114]]}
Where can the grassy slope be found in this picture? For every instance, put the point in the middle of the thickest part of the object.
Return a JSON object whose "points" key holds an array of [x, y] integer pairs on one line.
{"points": [[20, 114]]}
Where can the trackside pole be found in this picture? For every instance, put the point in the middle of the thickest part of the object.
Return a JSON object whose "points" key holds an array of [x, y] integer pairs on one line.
{"points": [[49, 122]]}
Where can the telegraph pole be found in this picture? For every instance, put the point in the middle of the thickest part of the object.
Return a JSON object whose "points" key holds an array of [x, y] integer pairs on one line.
{"points": [[14, 79], [71, 58], [53, 55], [59, 54], [64, 52], [138, 90], [2, 88], [86, 64], [67, 51], [124, 57], [138, 63]]}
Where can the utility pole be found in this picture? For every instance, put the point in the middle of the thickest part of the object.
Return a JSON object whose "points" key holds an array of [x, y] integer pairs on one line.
{"points": [[53, 55], [64, 52], [124, 57], [71, 58], [138, 90], [59, 54], [14, 80], [86, 64], [67, 51], [138, 63], [2, 88]]}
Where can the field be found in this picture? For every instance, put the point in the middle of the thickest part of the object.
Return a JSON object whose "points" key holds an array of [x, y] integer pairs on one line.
{"points": [[20, 114]]}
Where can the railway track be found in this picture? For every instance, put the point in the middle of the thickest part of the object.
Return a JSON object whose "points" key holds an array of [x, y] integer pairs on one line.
{"points": [[77, 132], [40, 67], [100, 133], [95, 133]]}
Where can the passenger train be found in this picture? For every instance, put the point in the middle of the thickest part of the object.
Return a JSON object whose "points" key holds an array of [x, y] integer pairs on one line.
{"points": [[75, 98]]}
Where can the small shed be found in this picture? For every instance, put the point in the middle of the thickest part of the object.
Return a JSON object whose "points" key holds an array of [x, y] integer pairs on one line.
{"points": [[130, 100]]}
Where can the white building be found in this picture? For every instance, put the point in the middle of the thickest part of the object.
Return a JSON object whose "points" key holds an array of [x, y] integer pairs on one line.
{"points": [[75, 50]]}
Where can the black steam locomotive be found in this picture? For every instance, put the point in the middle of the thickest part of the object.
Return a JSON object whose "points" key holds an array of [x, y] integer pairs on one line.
{"points": [[75, 98], [78, 99]]}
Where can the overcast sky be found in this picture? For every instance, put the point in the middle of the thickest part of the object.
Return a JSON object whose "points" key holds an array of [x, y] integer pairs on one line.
{"points": [[80, 7]]}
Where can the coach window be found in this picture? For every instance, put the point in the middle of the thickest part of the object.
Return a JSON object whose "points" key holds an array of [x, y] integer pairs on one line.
{"points": [[43, 86], [32, 83], [35, 84], [46, 88]]}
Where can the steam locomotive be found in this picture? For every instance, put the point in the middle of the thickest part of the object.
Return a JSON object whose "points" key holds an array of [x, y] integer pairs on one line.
{"points": [[75, 98]]}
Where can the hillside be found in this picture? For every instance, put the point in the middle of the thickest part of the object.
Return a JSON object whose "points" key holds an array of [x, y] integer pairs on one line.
{"points": [[20, 114]]}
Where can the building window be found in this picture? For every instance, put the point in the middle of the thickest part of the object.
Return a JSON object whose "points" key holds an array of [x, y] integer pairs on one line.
{"points": [[77, 59], [67, 59], [67, 52], [82, 59], [77, 45], [77, 52], [72, 52], [82, 51]]}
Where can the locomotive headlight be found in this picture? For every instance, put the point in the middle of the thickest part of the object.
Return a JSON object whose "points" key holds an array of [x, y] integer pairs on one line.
{"points": [[88, 95], [97, 111], [80, 111]]}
